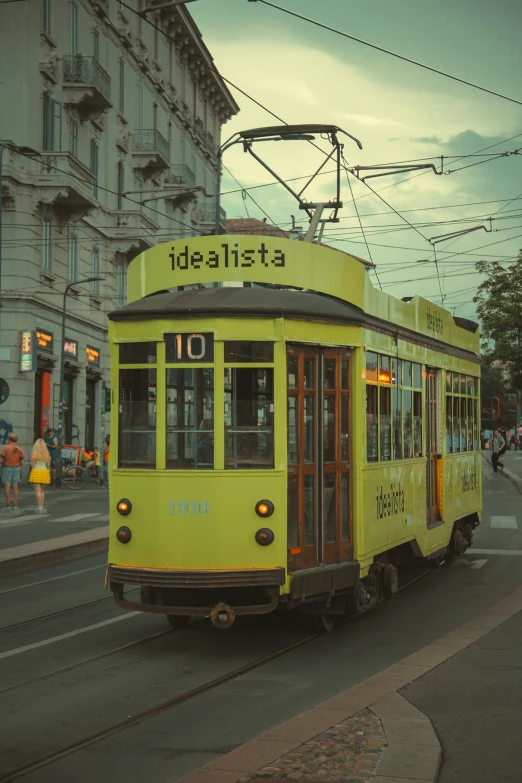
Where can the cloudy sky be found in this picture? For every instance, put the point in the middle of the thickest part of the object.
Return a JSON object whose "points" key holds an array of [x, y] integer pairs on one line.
{"points": [[400, 112]]}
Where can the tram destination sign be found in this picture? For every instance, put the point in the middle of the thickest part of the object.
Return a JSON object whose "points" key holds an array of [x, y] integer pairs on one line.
{"points": [[226, 255], [189, 347]]}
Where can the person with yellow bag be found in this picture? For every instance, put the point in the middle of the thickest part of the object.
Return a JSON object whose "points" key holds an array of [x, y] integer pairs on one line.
{"points": [[40, 474]]}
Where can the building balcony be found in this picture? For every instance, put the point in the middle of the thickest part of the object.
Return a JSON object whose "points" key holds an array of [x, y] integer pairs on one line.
{"points": [[207, 213], [133, 231], [150, 150], [209, 141], [179, 177], [88, 85], [65, 183], [199, 128]]}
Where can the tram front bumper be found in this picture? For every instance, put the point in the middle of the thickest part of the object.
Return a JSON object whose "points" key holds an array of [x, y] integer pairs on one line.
{"points": [[196, 593]]}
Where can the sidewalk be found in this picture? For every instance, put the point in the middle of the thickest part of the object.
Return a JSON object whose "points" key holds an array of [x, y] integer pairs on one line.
{"points": [[75, 526], [512, 461], [456, 707]]}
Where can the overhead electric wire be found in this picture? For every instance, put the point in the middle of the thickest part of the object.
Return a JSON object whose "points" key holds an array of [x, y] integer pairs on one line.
{"points": [[388, 51], [362, 229]]}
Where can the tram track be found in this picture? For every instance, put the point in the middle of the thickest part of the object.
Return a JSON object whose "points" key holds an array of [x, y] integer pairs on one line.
{"points": [[151, 712], [61, 612]]}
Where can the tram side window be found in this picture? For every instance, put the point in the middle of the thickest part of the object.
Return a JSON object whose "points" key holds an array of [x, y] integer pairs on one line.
{"points": [[190, 419], [137, 419], [371, 424], [249, 418], [461, 413]]}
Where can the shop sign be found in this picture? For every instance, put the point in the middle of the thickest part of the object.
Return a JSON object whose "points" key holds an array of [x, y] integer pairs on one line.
{"points": [[28, 357], [45, 340], [70, 348], [93, 355]]}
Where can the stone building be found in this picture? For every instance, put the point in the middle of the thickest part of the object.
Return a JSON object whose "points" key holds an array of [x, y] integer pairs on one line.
{"points": [[109, 129]]}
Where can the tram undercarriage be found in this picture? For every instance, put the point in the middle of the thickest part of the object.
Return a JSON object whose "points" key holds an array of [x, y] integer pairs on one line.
{"points": [[325, 593]]}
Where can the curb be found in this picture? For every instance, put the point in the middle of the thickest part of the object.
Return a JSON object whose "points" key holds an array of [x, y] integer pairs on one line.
{"points": [[516, 480], [413, 752], [54, 551]]}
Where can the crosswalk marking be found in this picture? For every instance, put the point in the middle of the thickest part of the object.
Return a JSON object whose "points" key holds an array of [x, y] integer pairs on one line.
{"points": [[476, 564], [508, 523], [77, 517], [12, 520]]}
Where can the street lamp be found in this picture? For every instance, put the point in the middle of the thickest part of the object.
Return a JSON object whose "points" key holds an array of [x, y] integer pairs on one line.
{"points": [[4, 145], [62, 369]]}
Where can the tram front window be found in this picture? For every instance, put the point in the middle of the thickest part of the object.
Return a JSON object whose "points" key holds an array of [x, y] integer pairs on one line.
{"points": [[190, 419], [137, 419], [249, 418]]}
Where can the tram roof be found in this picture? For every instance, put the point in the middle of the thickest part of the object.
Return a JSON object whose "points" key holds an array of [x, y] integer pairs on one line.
{"points": [[265, 302]]}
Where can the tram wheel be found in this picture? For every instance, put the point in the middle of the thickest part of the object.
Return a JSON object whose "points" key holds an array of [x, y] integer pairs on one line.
{"points": [[178, 620], [323, 623]]}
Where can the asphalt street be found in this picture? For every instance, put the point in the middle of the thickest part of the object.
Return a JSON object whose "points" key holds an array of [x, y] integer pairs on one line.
{"points": [[68, 511], [74, 665]]}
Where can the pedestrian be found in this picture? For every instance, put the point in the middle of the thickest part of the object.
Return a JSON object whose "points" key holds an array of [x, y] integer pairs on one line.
{"points": [[520, 436], [482, 440], [51, 441], [12, 457], [87, 461], [497, 446], [96, 460], [106, 454], [40, 474]]}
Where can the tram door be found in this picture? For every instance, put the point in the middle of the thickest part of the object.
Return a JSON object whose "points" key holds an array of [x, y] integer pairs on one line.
{"points": [[433, 448], [319, 449]]}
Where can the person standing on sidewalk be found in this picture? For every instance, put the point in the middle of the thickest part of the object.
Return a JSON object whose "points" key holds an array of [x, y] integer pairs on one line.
{"points": [[12, 457], [40, 474], [497, 446], [51, 441]]}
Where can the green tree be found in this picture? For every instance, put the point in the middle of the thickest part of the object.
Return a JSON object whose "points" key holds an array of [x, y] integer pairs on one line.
{"points": [[499, 305]]}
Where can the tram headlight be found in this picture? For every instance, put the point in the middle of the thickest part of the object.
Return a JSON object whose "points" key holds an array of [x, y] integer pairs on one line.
{"points": [[123, 534], [265, 536], [264, 508], [124, 507]]}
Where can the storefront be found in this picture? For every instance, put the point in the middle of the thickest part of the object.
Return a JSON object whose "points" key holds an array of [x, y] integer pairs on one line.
{"points": [[92, 356]]}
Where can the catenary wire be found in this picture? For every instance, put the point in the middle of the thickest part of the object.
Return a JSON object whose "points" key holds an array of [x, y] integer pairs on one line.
{"points": [[389, 52]]}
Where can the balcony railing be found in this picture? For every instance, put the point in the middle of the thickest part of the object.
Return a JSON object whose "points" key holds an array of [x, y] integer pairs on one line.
{"points": [[81, 69], [209, 140], [208, 214], [151, 141], [180, 174], [199, 128]]}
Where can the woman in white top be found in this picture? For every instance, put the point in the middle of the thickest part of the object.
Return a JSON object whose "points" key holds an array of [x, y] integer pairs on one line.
{"points": [[40, 474]]}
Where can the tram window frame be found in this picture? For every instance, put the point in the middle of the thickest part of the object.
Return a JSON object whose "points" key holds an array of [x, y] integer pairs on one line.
{"points": [[127, 438], [192, 447], [398, 385], [261, 351], [462, 413], [242, 433]]}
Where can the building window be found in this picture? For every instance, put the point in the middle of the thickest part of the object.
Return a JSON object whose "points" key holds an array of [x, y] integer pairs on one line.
{"points": [[94, 167], [47, 244], [95, 270], [122, 86], [120, 295], [73, 258], [47, 16], [74, 138], [52, 123], [96, 45], [74, 28], [121, 184]]}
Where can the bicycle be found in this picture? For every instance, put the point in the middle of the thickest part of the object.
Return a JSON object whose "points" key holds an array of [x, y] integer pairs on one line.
{"points": [[73, 476]]}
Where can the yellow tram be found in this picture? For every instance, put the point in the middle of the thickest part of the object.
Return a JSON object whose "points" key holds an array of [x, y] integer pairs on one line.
{"points": [[287, 439]]}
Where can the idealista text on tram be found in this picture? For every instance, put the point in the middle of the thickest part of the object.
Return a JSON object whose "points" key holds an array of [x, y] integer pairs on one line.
{"points": [[225, 257]]}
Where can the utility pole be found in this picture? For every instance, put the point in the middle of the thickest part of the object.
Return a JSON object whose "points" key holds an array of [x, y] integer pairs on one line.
{"points": [[62, 372]]}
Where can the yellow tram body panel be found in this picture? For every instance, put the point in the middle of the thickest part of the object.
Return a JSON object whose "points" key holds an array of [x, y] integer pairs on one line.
{"points": [[205, 520]]}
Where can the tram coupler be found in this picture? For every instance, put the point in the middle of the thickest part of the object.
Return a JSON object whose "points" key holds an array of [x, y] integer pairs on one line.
{"points": [[222, 616]]}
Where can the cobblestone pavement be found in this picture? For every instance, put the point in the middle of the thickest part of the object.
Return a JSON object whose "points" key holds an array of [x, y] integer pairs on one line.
{"points": [[347, 753]]}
